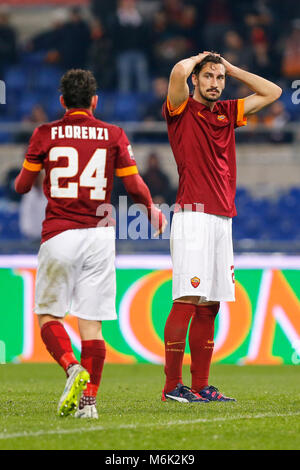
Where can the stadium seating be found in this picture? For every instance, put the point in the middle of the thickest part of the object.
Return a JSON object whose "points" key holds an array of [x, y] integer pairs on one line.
{"points": [[258, 219], [31, 83], [9, 225]]}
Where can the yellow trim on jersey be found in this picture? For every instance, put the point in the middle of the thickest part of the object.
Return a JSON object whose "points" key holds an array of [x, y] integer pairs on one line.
{"points": [[178, 110], [32, 166], [241, 120], [79, 112], [127, 171]]}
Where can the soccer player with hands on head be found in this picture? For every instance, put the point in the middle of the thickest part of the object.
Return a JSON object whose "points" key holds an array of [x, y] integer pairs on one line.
{"points": [[201, 135], [76, 262]]}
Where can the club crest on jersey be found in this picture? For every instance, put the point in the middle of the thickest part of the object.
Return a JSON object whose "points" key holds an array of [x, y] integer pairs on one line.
{"points": [[195, 281], [222, 117]]}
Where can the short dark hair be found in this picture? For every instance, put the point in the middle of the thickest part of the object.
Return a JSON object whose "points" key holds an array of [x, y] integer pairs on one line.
{"points": [[215, 59], [78, 87]]}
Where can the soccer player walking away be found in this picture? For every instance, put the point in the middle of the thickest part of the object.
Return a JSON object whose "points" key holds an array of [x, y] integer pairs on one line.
{"points": [[201, 134], [76, 270]]}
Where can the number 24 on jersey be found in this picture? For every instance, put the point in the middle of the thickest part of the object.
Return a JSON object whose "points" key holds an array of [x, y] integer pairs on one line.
{"points": [[91, 177]]}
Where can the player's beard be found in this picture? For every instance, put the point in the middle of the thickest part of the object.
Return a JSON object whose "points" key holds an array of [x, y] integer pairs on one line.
{"points": [[208, 98]]}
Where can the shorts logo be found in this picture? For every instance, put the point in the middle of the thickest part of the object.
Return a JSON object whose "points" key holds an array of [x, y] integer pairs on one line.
{"points": [[222, 117], [195, 281], [232, 274]]}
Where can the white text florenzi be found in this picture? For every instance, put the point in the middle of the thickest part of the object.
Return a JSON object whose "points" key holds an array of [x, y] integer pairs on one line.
{"points": [[79, 132]]}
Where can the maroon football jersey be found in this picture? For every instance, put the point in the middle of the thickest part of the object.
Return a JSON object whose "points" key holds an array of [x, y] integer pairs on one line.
{"points": [[80, 155], [203, 144]]}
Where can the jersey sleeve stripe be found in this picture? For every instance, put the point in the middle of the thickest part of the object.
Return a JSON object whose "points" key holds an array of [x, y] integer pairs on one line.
{"points": [[241, 119], [32, 166], [127, 171], [178, 110]]}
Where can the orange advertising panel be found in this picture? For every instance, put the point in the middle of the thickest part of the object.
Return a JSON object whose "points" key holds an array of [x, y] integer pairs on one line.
{"points": [[261, 327]]}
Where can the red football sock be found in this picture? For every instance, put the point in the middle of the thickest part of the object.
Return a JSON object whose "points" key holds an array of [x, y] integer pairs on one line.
{"points": [[201, 341], [92, 359], [175, 335], [58, 343]]}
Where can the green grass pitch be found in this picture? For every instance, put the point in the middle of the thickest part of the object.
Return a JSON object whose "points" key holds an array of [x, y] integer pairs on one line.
{"points": [[131, 415]]}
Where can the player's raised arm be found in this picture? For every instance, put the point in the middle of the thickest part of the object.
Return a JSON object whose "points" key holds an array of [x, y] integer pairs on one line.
{"points": [[265, 92], [178, 91]]}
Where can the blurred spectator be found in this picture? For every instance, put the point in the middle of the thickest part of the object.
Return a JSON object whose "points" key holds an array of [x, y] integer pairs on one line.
{"points": [[169, 44], [190, 27], [276, 118], [104, 10], [259, 13], [76, 40], [67, 42], [153, 111], [235, 51], [259, 18], [100, 56], [130, 41], [218, 20], [174, 10], [32, 211], [157, 181], [291, 57], [37, 117], [159, 33], [265, 61], [8, 47], [50, 41]]}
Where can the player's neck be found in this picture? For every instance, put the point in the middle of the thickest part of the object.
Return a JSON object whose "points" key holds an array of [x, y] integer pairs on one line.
{"points": [[208, 104], [200, 99], [87, 110]]}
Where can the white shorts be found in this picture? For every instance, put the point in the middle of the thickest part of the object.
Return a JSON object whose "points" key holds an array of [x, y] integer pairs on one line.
{"points": [[76, 274], [202, 256]]}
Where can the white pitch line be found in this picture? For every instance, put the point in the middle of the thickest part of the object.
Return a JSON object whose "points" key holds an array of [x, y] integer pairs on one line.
{"points": [[141, 425]]}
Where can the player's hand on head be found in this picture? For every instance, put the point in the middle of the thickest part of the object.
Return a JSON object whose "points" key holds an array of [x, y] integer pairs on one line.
{"points": [[199, 57], [228, 66], [212, 53]]}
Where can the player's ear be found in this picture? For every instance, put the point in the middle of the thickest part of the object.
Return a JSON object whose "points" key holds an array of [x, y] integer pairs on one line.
{"points": [[194, 79], [94, 102], [62, 101]]}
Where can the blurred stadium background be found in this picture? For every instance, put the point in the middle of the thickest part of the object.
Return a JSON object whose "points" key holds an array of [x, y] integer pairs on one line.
{"points": [[131, 46]]}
